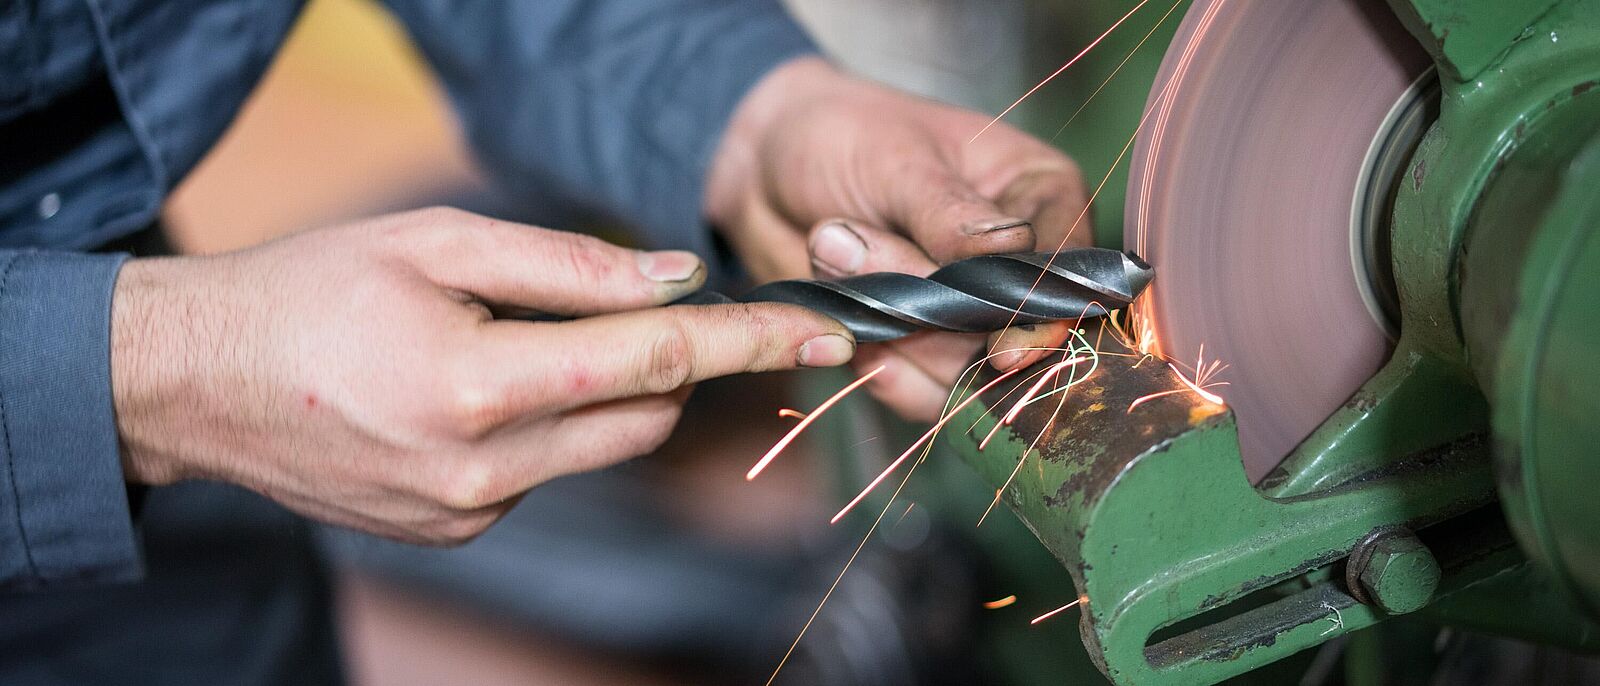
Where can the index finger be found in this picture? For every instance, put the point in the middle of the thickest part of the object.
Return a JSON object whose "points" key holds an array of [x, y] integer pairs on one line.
{"points": [[562, 365]]}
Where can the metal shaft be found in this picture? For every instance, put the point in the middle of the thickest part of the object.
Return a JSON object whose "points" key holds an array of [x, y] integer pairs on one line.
{"points": [[974, 295]]}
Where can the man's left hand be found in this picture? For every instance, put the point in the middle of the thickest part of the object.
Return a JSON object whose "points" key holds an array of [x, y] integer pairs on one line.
{"points": [[825, 175]]}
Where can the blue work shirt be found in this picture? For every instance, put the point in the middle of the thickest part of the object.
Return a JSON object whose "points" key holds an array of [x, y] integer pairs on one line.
{"points": [[612, 105]]}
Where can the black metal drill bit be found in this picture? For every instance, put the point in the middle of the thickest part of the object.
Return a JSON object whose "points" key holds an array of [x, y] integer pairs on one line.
{"points": [[975, 295]]}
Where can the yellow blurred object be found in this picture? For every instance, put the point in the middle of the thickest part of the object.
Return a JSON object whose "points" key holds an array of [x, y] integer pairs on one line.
{"points": [[348, 121]]}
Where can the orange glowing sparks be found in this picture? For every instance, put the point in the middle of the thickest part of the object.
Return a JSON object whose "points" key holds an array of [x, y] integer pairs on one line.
{"points": [[1140, 330], [1208, 395], [1029, 395], [1114, 72], [928, 436], [805, 421], [791, 414], [1196, 386], [1003, 602], [1057, 611], [1058, 72]]}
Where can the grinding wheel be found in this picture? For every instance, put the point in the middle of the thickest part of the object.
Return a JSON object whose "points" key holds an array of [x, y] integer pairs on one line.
{"points": [[1257, 192]]}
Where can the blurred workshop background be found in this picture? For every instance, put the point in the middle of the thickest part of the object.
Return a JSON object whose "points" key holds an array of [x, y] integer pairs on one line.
{"points": [[673, 569]]}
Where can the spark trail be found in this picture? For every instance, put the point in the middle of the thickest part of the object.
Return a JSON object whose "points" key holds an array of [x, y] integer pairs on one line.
{"points": [[1057, 611], [1003, 602], [1058, 72], [1159, 23], [806, 421], [926, 437]]}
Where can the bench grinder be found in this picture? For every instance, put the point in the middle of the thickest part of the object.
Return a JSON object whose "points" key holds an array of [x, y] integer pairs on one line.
{"points": [[1385, 218]]}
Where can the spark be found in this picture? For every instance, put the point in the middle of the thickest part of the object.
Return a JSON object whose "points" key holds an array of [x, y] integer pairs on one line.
{"points": [[926, 437], [1141, 326], [1189, 387], [1337, 619], [997, 604], [971, 369], [806, 421], [864, 441], [1202, 372], [791, 414], [1016, 409], [903, 515], [1085, 349], [1057, 611], [1158, 132], [1073, 381], [1113, 74], [1076, 222], [992, 409], [837, 579], [1057, 72], [1208, 395], [1022, 461], [1142, 315], [1085, 211], [1144, 399]]}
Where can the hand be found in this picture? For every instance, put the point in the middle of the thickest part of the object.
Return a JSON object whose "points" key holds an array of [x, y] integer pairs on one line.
{"points": [[824, 175], [355, 374]]}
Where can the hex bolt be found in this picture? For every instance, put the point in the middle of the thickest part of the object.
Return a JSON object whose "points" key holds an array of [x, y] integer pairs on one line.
{"points": [[1399, 574]]}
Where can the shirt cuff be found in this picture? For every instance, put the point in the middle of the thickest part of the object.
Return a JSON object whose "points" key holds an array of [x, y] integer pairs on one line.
{"points": [[64, 518]]}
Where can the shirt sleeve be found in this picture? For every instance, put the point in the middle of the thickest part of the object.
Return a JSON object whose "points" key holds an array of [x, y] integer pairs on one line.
{"points": [[64, 518], [616, 105]]}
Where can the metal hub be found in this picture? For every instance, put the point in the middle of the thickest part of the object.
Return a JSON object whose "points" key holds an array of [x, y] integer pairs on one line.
{"points": [[1372, 211]]}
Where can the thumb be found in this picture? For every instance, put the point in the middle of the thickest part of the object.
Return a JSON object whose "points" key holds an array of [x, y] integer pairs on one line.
{"points": [[947, 216], [555, 272]]}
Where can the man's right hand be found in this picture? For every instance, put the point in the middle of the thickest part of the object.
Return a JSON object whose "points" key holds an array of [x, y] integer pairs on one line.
{"points": [[355, 374]]}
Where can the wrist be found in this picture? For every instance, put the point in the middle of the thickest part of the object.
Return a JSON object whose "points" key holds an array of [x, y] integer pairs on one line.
{"points": [[735, 167], [152, 368]]}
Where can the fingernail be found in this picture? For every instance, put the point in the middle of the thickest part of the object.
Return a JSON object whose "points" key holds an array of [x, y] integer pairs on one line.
{"points": [[993, 225], [669, 266], [838, 249], [827, 350]]}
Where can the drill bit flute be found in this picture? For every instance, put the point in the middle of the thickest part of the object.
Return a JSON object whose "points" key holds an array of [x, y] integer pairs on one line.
{"points": [[975, 295]]}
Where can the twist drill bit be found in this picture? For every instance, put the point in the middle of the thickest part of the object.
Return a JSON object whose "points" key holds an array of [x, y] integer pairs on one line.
{"points": [[974, 295]]}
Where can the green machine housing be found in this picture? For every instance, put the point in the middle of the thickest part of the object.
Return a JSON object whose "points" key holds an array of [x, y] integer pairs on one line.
{"points": [[1458, 484]]}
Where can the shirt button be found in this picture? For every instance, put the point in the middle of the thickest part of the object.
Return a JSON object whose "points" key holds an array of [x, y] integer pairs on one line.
{"points": [[49, 205]]}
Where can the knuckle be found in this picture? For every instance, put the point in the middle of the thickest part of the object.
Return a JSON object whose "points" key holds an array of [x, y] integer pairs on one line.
{"points": [[423, 229], [670, 359], [472, 410], [584, 257], [470, 486]]}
